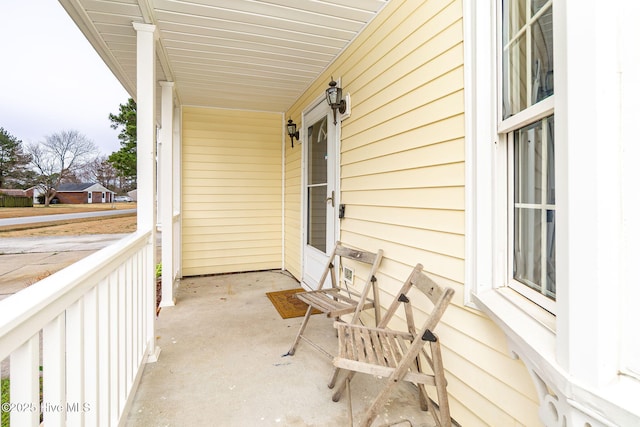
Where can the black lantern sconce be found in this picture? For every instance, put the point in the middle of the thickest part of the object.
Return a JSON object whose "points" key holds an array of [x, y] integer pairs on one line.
{"points": [[291, 130], [334, 99]]}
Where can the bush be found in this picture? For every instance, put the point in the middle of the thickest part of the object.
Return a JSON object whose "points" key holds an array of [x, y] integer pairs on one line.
{"points": [[4, 398]]}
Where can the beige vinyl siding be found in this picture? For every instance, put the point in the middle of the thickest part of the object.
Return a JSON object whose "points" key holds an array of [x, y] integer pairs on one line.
{"points": [[292, 208], [402, 174], [231, 191]]}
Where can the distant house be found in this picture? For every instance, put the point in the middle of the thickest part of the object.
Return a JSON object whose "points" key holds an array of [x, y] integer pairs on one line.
{"points": [[86, 192]]}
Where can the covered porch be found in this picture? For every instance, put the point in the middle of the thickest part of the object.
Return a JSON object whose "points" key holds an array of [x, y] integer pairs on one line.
{"points": [[216, 83], [222, 363]]}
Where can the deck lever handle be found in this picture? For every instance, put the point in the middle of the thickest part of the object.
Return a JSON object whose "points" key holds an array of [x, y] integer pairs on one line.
{"points": [[331, 198]]}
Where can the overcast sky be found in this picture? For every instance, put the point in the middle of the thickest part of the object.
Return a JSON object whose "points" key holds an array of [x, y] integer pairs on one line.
{"points": [[51, 79]]}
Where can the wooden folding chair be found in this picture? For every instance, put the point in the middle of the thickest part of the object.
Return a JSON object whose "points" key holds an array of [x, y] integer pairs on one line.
{"points": [[399, 356], [339, 300]]}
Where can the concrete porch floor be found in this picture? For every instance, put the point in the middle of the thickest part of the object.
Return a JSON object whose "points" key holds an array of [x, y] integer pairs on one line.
{"points": [[221, 364]]}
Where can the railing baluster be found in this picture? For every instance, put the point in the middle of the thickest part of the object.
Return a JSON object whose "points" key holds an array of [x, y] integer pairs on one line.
{"points": [[75, 369], [123, 279], [25, 388], [113, 344], [135, 337], [104, 353], [93, 349], [90, 400], [131, 369], [54, 404]]}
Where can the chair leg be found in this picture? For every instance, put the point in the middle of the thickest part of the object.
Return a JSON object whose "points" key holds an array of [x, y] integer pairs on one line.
{"points": [[441, 386], [334, 377], [348, 386], [338, 393], [292, 350], [422, 391]]}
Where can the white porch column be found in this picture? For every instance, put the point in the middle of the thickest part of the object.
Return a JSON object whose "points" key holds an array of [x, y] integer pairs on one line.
{"points": [[167, 189], [177, 193], [146, 151], [146, 128]]}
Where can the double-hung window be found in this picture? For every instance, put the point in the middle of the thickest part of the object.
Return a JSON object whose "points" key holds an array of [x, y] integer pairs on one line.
{"points": [[526, 126], [518, 172]]}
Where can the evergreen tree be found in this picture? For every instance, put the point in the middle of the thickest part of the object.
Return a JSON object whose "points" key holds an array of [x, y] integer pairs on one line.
{"points": [[14, 172], [125, 159]]}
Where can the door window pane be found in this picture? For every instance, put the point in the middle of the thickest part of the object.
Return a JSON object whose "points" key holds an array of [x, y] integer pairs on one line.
{"points": [[317, 217], [317, 185], [317, 152]]}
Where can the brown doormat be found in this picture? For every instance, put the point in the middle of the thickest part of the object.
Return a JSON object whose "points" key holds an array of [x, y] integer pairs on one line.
{"points": [[288, 305]]}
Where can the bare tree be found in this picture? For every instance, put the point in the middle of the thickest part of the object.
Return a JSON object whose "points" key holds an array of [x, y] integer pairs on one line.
{"points": [[59, 157], [99, 170]]}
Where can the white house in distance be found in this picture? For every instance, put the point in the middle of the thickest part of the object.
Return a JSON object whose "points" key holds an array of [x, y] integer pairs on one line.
{"points": [[492, 141]]}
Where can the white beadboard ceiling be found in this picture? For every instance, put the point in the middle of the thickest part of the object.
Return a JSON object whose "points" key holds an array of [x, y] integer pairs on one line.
{"points": [[241, 54]]}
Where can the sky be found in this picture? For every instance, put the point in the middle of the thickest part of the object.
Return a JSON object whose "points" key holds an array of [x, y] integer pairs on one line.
{"points": [[51, 78]]}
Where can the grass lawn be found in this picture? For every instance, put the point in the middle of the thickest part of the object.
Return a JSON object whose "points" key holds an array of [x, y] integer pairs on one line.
{"points": [[62, 209], [101, 225]]}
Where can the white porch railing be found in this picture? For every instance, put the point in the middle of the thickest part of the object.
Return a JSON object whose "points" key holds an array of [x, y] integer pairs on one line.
{"points": [[90, 327]]}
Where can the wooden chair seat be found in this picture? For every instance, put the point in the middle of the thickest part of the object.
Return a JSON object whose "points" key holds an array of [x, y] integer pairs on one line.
{"points": [[334, 302], [375, 351]]}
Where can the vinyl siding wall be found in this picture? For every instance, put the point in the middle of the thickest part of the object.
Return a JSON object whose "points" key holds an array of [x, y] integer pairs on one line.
{"points": [[292, 206], [232, 191], [402, 181]]}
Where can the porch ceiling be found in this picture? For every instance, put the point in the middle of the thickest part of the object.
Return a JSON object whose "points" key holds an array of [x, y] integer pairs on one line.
{"points": [[244, 54]]}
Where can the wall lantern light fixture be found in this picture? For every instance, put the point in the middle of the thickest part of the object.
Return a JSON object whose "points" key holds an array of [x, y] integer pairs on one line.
{"points": [[291, 130], [334, 99]]}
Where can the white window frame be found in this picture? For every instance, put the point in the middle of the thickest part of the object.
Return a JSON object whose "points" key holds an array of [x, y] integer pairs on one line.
{"points": [[487, 238], [574, 358], [505, 136]]}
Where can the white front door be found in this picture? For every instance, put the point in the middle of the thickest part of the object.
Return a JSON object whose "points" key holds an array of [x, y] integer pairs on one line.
{"points": [[320, 192]]}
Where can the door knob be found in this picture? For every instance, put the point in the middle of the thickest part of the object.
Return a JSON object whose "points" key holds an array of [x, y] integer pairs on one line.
{"points": [[331, 198]]}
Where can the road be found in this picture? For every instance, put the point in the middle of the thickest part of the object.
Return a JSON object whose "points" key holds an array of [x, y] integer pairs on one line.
{"points": [[54, 244], [62, 217]]}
